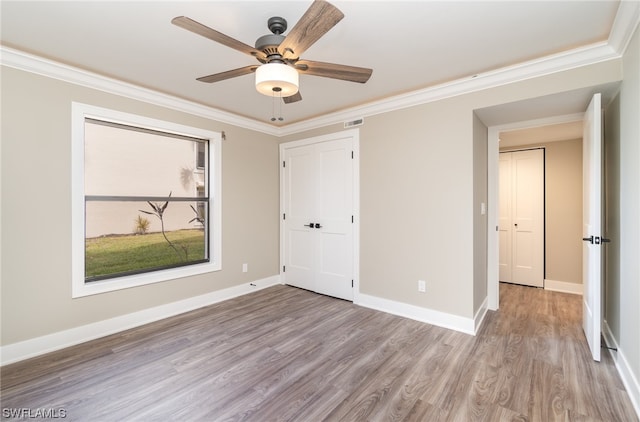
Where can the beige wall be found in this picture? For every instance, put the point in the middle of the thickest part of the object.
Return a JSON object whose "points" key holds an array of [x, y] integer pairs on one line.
{"points": [[622, 152], [480, 186], [417, 206], [563, 209], [417, 171], [36, 210], [563, 213]]}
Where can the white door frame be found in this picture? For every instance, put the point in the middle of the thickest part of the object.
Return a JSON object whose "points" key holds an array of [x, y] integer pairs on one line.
{"points": [[493, 150], [354, 134]]}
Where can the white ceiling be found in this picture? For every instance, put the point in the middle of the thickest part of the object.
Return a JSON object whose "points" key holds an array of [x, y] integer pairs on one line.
{"points": [[410, 45]]}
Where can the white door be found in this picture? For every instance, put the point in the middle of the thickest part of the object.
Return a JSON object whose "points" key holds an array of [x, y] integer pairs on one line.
{"points": [[318, 217], [527, 169], [300, 207], [522, 227], [592, 225], [335, 216]]}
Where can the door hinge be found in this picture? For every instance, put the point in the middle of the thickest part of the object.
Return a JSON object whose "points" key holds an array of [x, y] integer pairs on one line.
{"points": [[352, 219], [284, 164], [351, 283], [352, 155], [284, 268], [284, 216]]}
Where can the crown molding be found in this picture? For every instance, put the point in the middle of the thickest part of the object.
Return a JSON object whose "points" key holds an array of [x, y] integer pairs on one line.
{"points": [[626, 21], [527, 70], [592, 54], [34, 64], [624, 25]]}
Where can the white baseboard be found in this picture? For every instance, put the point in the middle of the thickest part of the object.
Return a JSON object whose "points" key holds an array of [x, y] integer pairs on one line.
{"points": [[40, 345], [563, 286], [478, 319], [430, 316], [629, 379]]}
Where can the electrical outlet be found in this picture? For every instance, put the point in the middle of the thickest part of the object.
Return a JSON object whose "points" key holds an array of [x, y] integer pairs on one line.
{"points": [[422, 286], [245, 268]]}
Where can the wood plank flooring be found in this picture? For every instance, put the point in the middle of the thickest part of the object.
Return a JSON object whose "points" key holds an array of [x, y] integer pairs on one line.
{"points": [[285, 354]]}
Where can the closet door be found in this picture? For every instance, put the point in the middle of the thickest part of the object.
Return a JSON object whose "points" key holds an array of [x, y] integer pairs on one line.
{"points": [[522, 226], [318, 224], [334, 212], [300, 207]]}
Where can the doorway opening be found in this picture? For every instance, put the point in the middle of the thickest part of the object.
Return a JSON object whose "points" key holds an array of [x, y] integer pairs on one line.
{"points": [[561, 137], [526, 115]]}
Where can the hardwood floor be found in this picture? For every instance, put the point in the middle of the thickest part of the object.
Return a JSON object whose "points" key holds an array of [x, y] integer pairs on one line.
{"points": [[288, 354]]}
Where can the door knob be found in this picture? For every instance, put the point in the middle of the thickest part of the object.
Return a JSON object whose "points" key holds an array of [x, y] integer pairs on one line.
{"points": [[310, 225], [318, 226], [588, 239]]}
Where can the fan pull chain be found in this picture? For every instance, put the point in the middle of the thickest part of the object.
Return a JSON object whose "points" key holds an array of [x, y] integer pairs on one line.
{"points": [[273, 104]]}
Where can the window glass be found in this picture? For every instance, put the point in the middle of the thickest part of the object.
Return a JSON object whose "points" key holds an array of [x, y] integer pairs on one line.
{"points": [[142, 200], [148, 205]]}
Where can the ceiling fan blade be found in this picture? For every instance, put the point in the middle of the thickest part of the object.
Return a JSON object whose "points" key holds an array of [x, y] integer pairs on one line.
{"points": [[292, 98], [319, 18], [217, 77], [334, 71], [203, 30]]}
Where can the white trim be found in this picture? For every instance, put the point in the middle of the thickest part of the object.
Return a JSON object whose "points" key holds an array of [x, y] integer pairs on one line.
{"points": [[31, 63], [624, 25], [583, 56], [563, 287], [430, 316], [629, 379], [79, 112], [48, 343], [493, 150], [356, 215], [353, 133], [481, 313]]}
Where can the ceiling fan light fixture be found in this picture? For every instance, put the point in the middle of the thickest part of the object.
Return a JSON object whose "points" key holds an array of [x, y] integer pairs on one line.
{"points": [[271, 76]]}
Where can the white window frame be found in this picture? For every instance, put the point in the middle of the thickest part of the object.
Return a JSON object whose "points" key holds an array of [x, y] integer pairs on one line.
{"points": [[80, 288]]}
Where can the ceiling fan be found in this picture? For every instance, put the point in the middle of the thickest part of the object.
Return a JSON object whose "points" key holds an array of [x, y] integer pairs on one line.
{"points": [[279, 55]]}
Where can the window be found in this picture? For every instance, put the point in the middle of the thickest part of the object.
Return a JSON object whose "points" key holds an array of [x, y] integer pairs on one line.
{"points": [[146, 200]]}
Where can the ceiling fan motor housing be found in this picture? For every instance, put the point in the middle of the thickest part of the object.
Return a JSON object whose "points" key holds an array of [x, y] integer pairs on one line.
{"points": [[268, 44]]}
